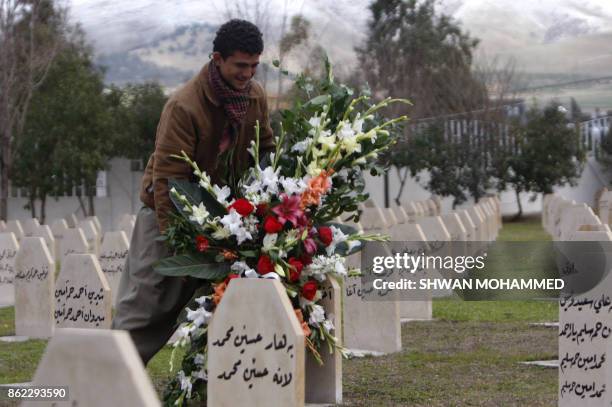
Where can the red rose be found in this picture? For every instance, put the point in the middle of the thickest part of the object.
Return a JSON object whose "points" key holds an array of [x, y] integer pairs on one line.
{"points": [[309, 290], [272, 225], [262, 208], [231, 277], [325, 235], [265, 265], [295, 270], [306, 259], [242, 206], [201, 243]]}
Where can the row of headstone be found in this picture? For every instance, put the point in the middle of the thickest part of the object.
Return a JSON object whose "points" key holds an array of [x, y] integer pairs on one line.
{"points": [[375, 326], [257, 355], [79, 297], [62, 240], [585, 322]]}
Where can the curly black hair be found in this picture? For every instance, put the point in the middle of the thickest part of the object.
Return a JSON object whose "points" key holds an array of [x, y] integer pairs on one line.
{"points": [[238, 35]]}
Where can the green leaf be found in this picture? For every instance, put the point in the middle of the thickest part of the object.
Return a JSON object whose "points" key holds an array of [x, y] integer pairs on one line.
{"points": [[195, 194], [192, 266], [319, 100], [248, 253], [276, 63]]}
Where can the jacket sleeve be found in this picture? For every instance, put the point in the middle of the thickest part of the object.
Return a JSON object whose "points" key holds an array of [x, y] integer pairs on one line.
{"points": [[175, 133], [266, 137]]}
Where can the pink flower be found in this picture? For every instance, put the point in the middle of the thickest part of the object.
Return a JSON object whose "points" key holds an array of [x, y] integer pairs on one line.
{"points": [[289, 209]]}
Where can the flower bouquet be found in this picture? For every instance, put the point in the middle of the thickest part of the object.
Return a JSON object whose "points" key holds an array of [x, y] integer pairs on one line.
{"points": [[278, 221]]}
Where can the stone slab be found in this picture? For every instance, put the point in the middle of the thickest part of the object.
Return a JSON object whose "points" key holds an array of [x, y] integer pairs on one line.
{"points": [[101, 368], [113, 254], [73, 242], [34, 289], [8, 253], [255, 334], [82, 294]]}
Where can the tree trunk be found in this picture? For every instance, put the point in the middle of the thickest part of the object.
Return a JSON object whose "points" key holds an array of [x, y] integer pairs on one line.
{"points": [[5, 166], [386, 188], [517, 191], [43, 207], [403, 179], [82, 206], [92, 209], [32, 203]]}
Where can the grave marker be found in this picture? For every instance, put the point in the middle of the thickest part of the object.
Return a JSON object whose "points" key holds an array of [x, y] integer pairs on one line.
{"points": [[256, 347], [101, 368], [34, 289], [113, 254], [8, 252], [82, 294]]}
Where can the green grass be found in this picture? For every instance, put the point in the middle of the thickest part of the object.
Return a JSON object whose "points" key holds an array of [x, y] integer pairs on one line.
{"points": [[467, 356]]}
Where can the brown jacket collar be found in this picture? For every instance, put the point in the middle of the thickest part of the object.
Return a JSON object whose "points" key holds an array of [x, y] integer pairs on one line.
{"points": [[210, 94]]}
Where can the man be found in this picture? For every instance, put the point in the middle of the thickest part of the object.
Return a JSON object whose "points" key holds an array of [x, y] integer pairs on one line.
{"points": [[212, 118]]}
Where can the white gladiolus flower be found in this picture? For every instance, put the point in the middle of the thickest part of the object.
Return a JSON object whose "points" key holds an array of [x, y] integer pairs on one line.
{"points": [[221, 234], [317, 315], [201, 374], [269, 241], [314, 121], [222, 194], [346, 131], [328, 325], [351, 145], [185, 383], [358, 124], [199, 359], [322, 265], [198, 316], [198, 214], [301, 146], [337, 237], [233, 223], [292, 185], [269, 179], [327, 142]]}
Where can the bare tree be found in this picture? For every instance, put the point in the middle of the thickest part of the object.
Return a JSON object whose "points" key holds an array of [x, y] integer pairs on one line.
{"points": [[29, 41]]}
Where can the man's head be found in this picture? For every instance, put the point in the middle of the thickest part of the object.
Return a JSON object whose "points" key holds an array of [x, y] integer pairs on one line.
{"points": [[236, 50]]}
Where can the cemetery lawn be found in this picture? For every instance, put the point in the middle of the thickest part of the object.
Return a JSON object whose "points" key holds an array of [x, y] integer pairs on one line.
{"points": [[467, 356]]}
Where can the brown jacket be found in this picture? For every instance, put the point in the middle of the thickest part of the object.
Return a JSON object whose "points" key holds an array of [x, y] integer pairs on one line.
{"points": [[193, 121]]}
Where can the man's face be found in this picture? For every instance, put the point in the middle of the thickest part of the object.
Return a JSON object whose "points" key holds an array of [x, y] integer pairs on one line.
{"points": [[237, 69]]}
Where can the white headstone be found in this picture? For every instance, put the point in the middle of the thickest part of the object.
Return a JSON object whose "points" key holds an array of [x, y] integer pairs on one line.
{"points": [[324, 382], [373, 220], [574, 216], [73, 242], [82, 295], [91, 235], [457, 232], [34, 289], [256, 347], [113, 255], [8, 252], [29, 226], [100, 368], [72, 220], [468, 224], [96, 223], [2, 226], [44, 231], [479, 221], [412, 211], [585, 326], [369, 325], [16, 228], [58, 228], [438, 238], [605, 206]]}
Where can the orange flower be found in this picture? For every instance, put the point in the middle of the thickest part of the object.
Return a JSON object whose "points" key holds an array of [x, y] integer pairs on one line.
{"points": [[229, 255], [219, 291], [317, 186], [305, 327]]}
